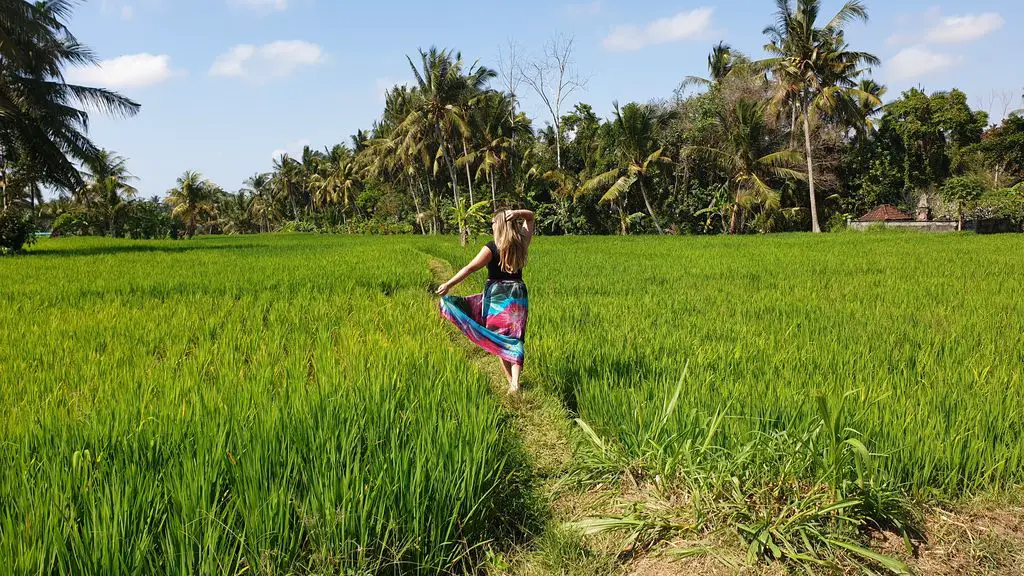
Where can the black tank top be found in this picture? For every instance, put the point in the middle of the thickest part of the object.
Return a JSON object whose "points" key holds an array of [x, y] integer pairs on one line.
{"points": [[494, 271]]}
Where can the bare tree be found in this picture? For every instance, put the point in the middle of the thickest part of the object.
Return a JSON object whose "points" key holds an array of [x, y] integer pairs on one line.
{"points": [[554, 78], [998, 102], [510, 71]]}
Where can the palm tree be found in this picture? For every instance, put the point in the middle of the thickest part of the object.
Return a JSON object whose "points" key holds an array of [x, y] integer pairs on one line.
{"points": [[722, 59], [261, 207], [108, 185], [634, 128], [751, 157], [441, 95], [339, 180], [22, 182], [287, 181], [401, 149], [311, 160], [44, 117], [814, 70], [233, 212], [191, 199], [869, 105], [498, 129]]}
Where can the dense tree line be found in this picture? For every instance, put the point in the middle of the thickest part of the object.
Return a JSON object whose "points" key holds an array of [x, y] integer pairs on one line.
{"points": [[799, 140]]}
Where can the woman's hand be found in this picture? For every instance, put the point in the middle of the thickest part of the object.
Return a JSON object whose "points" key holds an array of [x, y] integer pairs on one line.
{"points": [[479, 262]]}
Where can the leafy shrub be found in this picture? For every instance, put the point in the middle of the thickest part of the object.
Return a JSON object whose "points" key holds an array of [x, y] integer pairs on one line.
{"points": [[74, 223], [148, 220], [837, 222], [1003, 204], [298, 226], [963, 192], [16, 230], [381, 228]]}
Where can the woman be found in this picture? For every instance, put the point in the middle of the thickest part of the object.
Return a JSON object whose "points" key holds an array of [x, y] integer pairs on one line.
{"points": [[496, 319]]}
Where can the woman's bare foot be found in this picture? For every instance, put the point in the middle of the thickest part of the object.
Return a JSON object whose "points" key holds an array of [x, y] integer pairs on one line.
{"points": [[516, 370]]}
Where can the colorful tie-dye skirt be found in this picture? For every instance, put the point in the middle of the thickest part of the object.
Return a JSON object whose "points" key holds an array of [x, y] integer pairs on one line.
{"points": [[494, 320]]}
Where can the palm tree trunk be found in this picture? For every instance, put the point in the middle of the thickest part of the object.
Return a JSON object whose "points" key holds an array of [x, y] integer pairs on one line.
{"points": [[792, 128], [416, 203], [815, 227], [451, 173], [3, 180], [469, 179], [622, 218], [733, 220], [433, 206], [650, 210], [494, 191]]}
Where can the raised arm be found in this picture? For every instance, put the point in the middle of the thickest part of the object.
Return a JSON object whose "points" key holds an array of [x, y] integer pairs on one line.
{"points": [[481, 260], [528, 218]]}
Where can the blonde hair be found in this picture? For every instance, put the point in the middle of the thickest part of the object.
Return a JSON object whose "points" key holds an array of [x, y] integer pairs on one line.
{"points": [[511, 241]]}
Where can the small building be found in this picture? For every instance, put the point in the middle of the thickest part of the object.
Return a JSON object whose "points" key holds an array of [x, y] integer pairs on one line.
{"points": [[888, 216]]}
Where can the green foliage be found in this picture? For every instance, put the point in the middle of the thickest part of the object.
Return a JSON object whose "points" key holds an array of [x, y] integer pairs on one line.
{"points": [[293, 226], [936, 414], [45, 119], [16, 230], [271, 405], [1002, 204], [72, 223], [926, 133], [148, 220], [963, 190], [1002, 150]]}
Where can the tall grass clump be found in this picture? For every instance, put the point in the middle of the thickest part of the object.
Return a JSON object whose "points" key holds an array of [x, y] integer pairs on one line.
{"points": [[915, 341], [270, 406], [832, 384]]}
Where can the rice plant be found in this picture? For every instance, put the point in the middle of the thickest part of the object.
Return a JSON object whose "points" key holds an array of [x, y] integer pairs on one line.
{"points": [[292, 404], [270, 406], [915, 343]]}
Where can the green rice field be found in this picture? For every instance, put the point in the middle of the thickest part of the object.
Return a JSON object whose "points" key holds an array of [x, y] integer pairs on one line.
{"points": [[293, 404]]}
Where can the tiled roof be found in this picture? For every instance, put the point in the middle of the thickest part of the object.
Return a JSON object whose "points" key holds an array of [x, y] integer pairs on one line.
{"points": [[885, 213]]}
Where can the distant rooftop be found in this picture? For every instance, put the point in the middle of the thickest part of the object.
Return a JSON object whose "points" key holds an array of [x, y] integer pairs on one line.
{"points": [[885, 213]]}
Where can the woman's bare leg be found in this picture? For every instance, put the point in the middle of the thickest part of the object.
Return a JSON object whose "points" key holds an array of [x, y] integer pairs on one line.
{"points": [[513, 386], [506, 367]]}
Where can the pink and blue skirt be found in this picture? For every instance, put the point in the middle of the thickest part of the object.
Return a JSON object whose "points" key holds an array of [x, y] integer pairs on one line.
{"points": [[494, 320]]}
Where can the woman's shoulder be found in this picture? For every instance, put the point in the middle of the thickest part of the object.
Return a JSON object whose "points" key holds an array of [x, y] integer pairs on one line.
{"points": [[492, 246]]}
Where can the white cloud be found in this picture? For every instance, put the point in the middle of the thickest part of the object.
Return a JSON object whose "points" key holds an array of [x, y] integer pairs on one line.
{"points": [[131, 70], [292, 149], [275, 60], [682, 26], [918, 61], [966, 28], [897, 39], [261, 6], [584, 9]]}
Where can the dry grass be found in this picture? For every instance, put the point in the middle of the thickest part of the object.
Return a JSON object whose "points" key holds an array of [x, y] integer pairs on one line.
{"points": [[979, 539]]}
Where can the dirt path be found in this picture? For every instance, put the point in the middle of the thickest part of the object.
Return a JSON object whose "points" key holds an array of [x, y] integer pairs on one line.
{"points": [[546, 430], [977, 540]]}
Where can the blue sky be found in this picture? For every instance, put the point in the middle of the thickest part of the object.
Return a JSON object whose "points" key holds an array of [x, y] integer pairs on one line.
{"points": [[227, 84]]}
